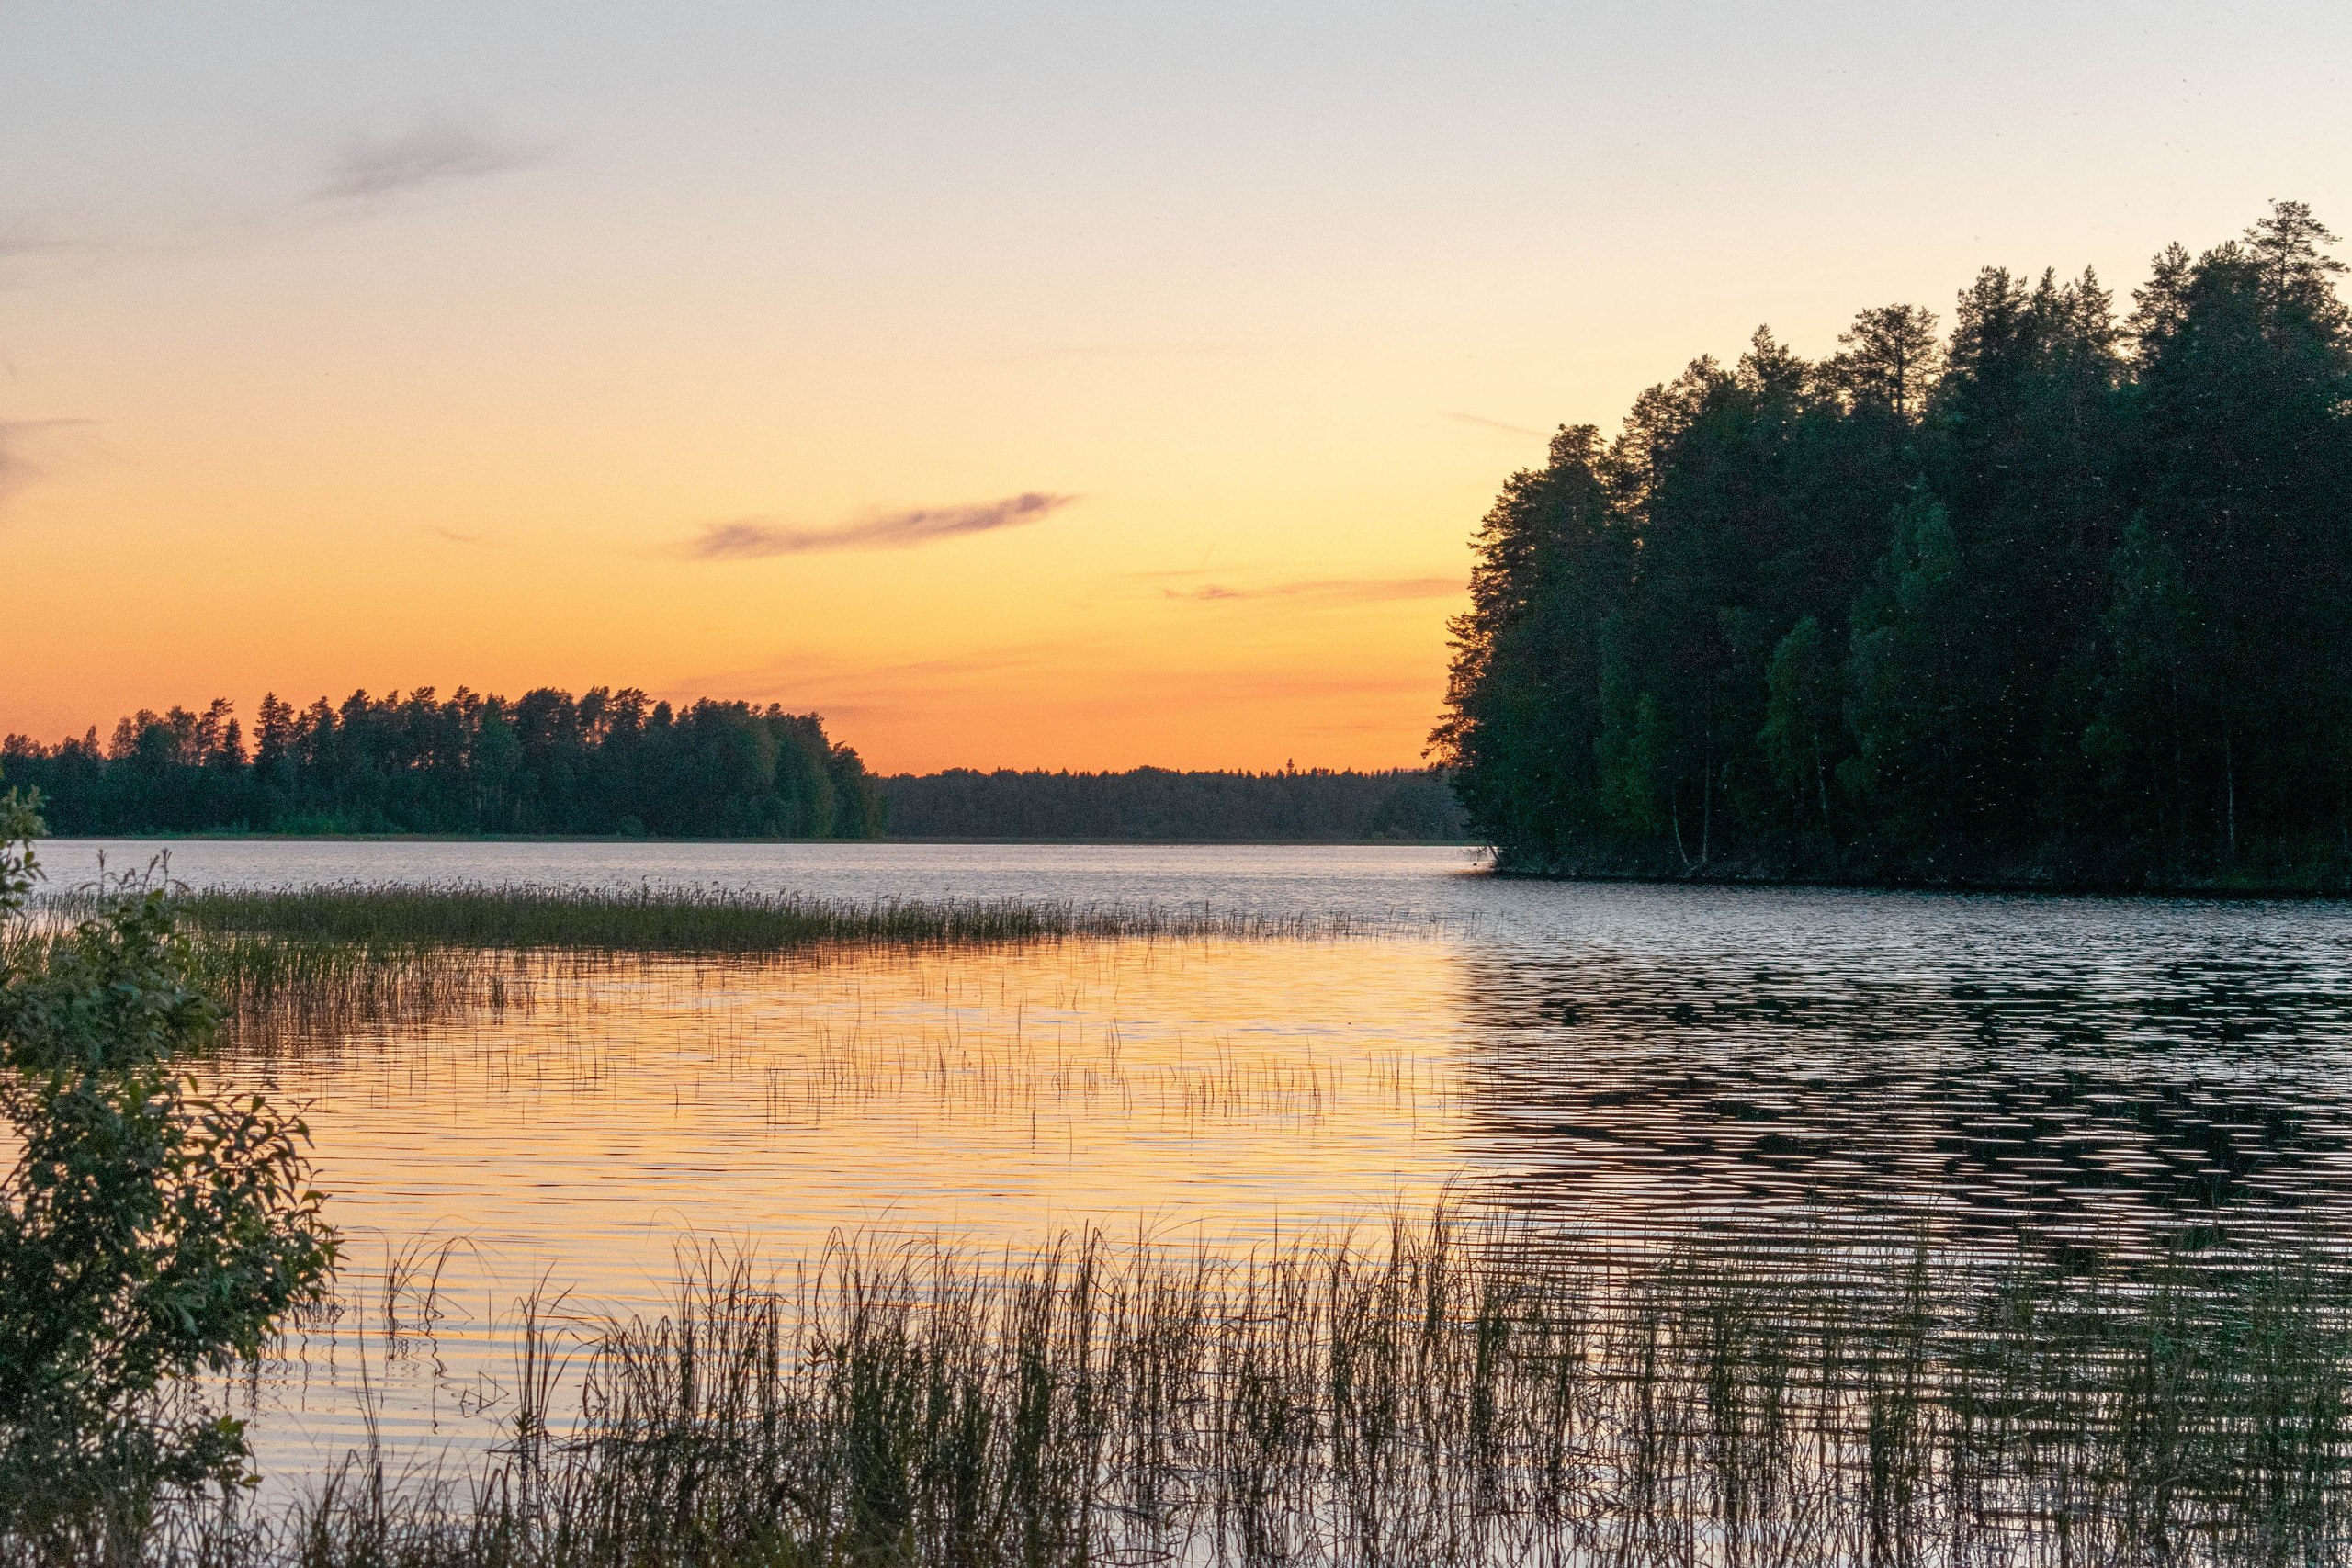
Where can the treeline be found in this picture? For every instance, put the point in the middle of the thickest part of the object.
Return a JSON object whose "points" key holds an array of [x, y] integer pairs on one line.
{"points": [[1144, 804], [607, 763], [618, 764], [2056, 597]]}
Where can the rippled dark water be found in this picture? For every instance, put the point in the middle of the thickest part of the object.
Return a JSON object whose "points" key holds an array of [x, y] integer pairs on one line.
{"points": [[1631, 1063], [2080, 1067]]}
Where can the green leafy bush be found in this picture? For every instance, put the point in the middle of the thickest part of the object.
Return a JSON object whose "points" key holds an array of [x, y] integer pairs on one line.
{"points": [[148, 1231]]}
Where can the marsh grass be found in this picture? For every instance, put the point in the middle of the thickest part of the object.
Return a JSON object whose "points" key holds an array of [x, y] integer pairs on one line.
{"points": [[311, 961], [272, 989], [695, 919], [1450, 1392]]}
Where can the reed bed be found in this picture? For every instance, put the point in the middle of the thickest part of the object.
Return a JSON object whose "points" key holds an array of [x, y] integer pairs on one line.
{"points": [[271, 990], [695, 920], [1455, 1393], [300, 961]]}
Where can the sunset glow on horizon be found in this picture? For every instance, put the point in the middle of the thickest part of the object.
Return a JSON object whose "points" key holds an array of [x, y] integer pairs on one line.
{"points": [[1032, 387]]}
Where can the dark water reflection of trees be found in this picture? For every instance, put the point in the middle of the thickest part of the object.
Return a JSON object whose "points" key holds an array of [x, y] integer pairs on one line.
{"points": [[2097, 1092]]}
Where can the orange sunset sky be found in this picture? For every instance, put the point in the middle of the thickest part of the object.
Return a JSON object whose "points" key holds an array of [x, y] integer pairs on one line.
{"points": [[1017, 385]]}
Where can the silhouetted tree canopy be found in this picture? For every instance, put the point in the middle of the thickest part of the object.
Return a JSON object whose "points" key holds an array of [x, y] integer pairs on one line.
{"points": [[615, 763], [2057, 598], [1292, 806], [607, 763]]}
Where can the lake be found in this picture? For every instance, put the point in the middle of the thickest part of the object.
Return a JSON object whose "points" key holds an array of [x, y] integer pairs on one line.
{"points": [[1625, 1064]]}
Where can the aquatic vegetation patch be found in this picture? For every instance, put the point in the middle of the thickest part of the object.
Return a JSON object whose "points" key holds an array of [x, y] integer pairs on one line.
{"points": [[693, 920], [315, 960], [269, 988], [1468, 1393]]}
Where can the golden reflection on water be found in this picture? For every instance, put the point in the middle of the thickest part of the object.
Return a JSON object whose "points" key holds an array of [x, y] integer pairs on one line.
{"points": [[1205, 1092], [1232, 1083]]}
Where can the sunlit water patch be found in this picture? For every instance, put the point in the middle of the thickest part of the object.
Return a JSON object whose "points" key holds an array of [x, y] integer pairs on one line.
{"points": [[1217, 1091]]}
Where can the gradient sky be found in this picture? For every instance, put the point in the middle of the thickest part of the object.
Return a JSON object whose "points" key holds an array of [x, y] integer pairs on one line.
{"points": [[1018, 385]]}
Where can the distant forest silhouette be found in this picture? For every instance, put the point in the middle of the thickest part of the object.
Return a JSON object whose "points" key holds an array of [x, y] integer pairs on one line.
{"points": [[608, 762], [616, 764], [2057, 598], [1156, 804]]}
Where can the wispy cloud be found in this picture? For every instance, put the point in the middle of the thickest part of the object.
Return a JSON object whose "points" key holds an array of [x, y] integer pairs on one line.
{"points": [[17, 437], [1482, 421], [16, 469], [455, 537], [371, 167], [31, 250], [19, 238], [751, 539], [1332, 590]]}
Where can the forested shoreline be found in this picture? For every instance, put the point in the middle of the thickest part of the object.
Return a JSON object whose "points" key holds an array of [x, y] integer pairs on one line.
{"points": [[609, 763], [617, 764], [1162, 806], [2060, 598]]}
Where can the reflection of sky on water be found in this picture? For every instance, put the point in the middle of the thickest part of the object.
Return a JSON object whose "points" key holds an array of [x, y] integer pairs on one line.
{"points": [[1192, 1091], [1622, 1059]]}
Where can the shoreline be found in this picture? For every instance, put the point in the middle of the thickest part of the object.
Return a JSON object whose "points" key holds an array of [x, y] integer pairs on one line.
{"points": [[213, 838], [2028, 885], [2010, 886]]}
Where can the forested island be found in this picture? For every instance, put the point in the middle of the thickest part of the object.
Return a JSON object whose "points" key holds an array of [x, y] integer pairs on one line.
{"points": [[2055, 599], [617, 763]]}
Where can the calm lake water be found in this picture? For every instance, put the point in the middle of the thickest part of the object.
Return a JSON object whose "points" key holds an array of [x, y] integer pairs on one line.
{"points": [[1629, 1064]]}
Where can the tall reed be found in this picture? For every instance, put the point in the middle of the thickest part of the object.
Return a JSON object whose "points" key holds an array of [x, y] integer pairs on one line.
{"points": [[270, 988], [1457, 1392], [288, 960], [697, 919]]}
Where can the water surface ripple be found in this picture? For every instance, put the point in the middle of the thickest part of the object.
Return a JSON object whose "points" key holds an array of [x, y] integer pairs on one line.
{"points": [[1622, 1061]]}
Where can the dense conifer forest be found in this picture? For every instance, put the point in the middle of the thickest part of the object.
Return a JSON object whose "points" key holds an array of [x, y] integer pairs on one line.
{"points": [[608, 762], [1159, 805], [615, 763], [2062, 596]]}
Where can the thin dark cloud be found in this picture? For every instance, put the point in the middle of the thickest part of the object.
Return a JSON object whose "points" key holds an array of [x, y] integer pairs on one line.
{"points": [[455, 537], [20, 238], [29, 251], [1330, 590], [370, 167], [1482, 421], [18, 438], [752, 538], [16, 469]]}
